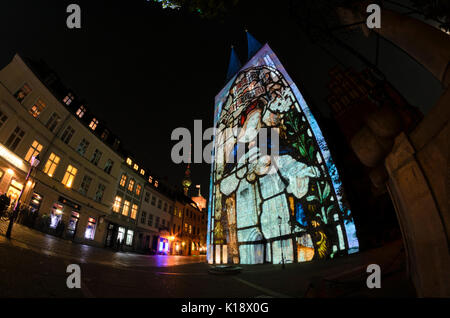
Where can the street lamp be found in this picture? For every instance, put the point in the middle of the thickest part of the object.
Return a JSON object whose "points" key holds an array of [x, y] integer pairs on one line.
{"points": [[281, 241], [33, 164]]}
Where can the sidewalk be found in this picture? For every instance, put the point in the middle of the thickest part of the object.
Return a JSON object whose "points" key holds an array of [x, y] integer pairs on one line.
{"points": [[50, 245]]}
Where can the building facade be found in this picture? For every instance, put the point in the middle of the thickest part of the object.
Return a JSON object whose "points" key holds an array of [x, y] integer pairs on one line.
{"points": [[193, 228], [86, 188], [72, 188], [125, 210], [155, 219]]}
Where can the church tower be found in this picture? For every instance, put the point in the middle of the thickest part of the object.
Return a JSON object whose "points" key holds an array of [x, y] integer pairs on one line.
{"points": [[186, 182]]}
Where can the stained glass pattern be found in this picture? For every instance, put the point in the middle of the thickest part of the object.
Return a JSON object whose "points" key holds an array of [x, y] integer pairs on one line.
{"points": [[265, 207]]}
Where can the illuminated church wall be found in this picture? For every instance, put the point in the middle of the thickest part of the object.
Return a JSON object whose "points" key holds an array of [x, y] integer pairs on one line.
{"points": [[300, 184]]}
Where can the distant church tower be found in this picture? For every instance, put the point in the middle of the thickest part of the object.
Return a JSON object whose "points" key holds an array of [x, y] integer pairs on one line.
{"points": [[186, 183]]}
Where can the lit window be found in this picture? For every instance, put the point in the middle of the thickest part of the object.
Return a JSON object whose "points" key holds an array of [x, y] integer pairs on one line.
{"points": [[150, 179], [68, 99], [67, 134], [93, 124], [51, 164], [105, 134], [123, 180], [134, 210], [22, 93], [126, 207], [53, 122], [156, 184], [138, 189], [37, 108], [34, 150], [131, 185], [142, 171], [81, 111], [121, 234], [129, 161], [108, 166], [99, 193], [135, 167], [15, 138], [90, 229], [129, 240], [71, 172], [116, 205]]}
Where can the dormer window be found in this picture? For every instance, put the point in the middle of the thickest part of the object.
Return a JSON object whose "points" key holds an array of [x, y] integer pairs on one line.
{"points": [[68, 99], [105, 134], [135, 167], [22, 92], [116, 143], [93, 124], [156, 184], [81, 111], [150, 179], [129, 161], [142, 171]]}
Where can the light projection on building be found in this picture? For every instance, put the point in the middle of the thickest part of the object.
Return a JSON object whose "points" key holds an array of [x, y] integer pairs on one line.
{"points": [[294, 212]]}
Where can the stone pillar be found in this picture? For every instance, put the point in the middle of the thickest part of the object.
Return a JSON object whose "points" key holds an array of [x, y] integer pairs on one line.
{"points": [[419, 218], [419, 165]]}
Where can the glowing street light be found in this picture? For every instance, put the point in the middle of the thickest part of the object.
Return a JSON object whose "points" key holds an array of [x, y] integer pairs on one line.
{"points": [[34, 163]]}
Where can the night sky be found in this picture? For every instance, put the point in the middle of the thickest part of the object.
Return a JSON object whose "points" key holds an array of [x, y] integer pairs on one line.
{"points": [[146, 71]]}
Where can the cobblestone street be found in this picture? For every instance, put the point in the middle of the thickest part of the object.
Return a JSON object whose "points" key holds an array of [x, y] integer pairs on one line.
{"points": [[41, 259]]}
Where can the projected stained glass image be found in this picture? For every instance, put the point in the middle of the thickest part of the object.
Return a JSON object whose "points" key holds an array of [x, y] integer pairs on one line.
{"points": [[272, 208]]}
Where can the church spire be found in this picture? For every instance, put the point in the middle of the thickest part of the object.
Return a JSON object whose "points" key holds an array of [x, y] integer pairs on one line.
{"points": [[253, 45], [186, 183], [234, 65]]}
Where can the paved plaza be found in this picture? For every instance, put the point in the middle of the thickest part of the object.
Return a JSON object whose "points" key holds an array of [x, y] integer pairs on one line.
{"points": [[33, 264]]}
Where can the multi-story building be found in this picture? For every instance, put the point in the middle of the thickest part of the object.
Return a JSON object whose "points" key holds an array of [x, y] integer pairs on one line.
{"points": [[125, 209], [155, 219], [177, 225], [86, 187], [74, 183], [193, 231]]}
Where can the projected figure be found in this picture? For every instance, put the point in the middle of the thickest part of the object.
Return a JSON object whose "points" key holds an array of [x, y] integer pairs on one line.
{"points": [[272, 208]]}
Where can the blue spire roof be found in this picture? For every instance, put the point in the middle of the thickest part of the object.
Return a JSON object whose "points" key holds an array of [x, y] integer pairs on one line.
{"points": [[252, 44], [234, 65]]}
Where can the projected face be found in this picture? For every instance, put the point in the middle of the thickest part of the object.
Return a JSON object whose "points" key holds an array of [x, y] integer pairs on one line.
{"points": [[271, 208]]}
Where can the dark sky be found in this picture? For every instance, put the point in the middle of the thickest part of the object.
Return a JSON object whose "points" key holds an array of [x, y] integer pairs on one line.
{"points": [[146, 71]]}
